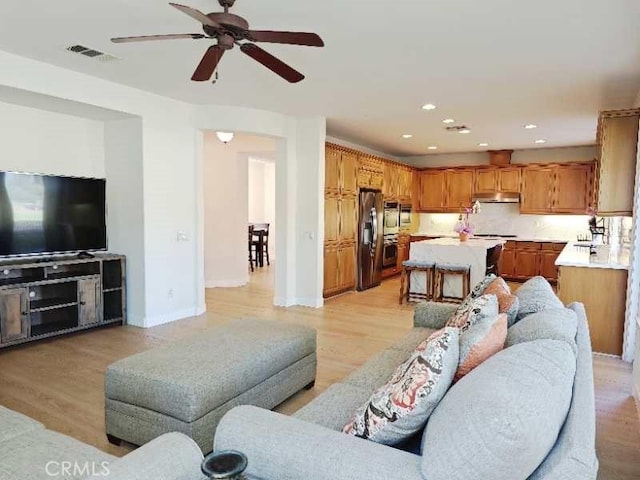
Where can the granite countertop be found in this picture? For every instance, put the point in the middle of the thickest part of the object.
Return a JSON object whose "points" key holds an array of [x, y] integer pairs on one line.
{"points": [[516, 239], [606, 257], [472, 242]]}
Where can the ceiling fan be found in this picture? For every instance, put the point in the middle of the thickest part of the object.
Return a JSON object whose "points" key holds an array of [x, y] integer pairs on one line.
{"points": [[229, 30]]}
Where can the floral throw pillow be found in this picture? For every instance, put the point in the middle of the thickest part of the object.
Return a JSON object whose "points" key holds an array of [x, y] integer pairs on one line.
{"points": [[507, 302], [471, 312], [401, 407]]}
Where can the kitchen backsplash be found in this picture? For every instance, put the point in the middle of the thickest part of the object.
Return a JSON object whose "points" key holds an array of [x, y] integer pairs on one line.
{"points": [[505, 219]]}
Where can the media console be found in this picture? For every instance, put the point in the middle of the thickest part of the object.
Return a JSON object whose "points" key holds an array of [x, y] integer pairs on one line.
{"points": [[49, 296]]}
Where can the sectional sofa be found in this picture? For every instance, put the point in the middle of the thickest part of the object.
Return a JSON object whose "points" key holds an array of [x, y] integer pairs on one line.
{"points": [[526, 412]]}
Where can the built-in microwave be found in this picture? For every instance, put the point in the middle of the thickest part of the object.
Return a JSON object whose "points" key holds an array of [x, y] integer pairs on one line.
{"points": [[405, 215]]}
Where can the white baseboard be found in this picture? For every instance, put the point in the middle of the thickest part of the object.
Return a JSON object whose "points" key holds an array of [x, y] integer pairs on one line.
{"points": [[170, 317], [238, 282], [303, 302]]}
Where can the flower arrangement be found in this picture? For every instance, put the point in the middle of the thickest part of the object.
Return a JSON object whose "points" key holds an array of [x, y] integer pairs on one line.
{"points": [[464, 227]]}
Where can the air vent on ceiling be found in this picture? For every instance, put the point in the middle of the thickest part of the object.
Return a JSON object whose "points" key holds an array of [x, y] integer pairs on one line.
{"points": [[456, 128], [91, 53]]}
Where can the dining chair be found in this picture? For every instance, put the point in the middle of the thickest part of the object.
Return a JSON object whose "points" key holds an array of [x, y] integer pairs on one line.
{"points": [[261, 230]]}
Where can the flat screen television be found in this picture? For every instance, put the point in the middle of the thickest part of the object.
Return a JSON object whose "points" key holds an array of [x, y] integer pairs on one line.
{"points": [[45, 214]]}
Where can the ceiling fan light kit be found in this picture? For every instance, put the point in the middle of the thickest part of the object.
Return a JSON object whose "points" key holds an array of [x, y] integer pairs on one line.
{"points": [[230, 30]]}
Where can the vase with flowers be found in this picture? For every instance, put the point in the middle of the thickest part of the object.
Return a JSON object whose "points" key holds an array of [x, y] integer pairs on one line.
{"points": [[464, 228]]}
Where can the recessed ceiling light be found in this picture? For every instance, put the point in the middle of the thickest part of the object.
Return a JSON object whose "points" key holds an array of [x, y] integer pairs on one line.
{"points": [[483, 144], [429, 106], [407, 135], [432, 147], [448, 120], [529, 126], [541, 141], [464, 130]]}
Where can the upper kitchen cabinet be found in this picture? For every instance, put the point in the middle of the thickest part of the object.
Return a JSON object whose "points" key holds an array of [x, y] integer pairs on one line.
{"points": [[559, 189], [572, 192], [616, 165], [341, 171], [391, 181], [536, 193], [459, 184], [494, 180], [509, 179], [371, 172], [445, 190], [432, 191]]}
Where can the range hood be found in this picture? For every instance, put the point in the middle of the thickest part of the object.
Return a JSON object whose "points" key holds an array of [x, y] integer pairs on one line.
{"points": [[497, 197]]}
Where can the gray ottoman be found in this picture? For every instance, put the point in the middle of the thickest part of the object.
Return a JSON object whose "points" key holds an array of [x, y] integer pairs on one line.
{"points": [[189, 385]]}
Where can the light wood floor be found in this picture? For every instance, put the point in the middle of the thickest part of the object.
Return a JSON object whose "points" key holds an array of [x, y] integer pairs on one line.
{"points": [[60, 382]]}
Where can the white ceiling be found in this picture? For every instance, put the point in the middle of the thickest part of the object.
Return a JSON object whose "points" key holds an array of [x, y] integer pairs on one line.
{"points": [[493, 65]]}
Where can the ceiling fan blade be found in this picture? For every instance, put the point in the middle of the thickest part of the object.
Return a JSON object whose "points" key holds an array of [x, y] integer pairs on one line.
{"points": [[144, 38], [208, 64], [291, 38], [196, 14], [272, 63]]}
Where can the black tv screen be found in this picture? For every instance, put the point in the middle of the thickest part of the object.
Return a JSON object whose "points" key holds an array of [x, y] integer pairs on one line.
{"points": [[51, 214]]}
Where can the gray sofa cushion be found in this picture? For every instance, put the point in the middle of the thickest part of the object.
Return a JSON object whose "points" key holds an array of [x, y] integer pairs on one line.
{"points": [[501, 420], [536, 295], [377, 370], [334, 407], [552, 324], [29, 455], [13, 424], [411, 340]]}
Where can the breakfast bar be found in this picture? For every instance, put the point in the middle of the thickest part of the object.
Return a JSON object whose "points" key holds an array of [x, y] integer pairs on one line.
{"points": [[472, 252]]}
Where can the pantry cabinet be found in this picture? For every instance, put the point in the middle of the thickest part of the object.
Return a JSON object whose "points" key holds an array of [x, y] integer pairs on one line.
{"points": [[616, 163]]}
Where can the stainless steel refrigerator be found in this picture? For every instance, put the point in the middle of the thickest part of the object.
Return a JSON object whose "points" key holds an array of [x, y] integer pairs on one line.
{"points": [[370, 239]]}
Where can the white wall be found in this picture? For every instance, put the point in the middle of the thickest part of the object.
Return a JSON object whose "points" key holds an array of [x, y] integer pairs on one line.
{"points": [[125, 204], [36, 141], [172, 190], [262, 197], [537, 155]]}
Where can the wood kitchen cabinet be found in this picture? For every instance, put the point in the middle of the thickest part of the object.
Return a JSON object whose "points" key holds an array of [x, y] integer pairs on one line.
{"points": [[603, 292], [507, 262], [523, 260], [558, 188], [572, 192], [459, 185], [445, 190], [537, 189], [493, 180], [340, 219], [432, 191], [616, 163]]}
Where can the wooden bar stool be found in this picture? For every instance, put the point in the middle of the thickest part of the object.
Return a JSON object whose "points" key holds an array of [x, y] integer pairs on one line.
{"points": [[409, 266], [443, 269]]}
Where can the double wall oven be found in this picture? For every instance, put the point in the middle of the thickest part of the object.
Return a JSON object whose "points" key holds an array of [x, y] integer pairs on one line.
{"points": [[390, 232]]}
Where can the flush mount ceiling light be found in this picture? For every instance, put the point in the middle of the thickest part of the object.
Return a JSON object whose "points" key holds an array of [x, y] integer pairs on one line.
{"points": [[448, 120], [483, 144], [432, 147], [530, 126], [464, 130], [429, 106], [224, 137], [541, 141], [407, 135]]}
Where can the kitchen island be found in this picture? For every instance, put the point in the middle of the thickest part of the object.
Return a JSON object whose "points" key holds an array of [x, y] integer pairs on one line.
{"points": [[599, 281], [473, 252]]}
